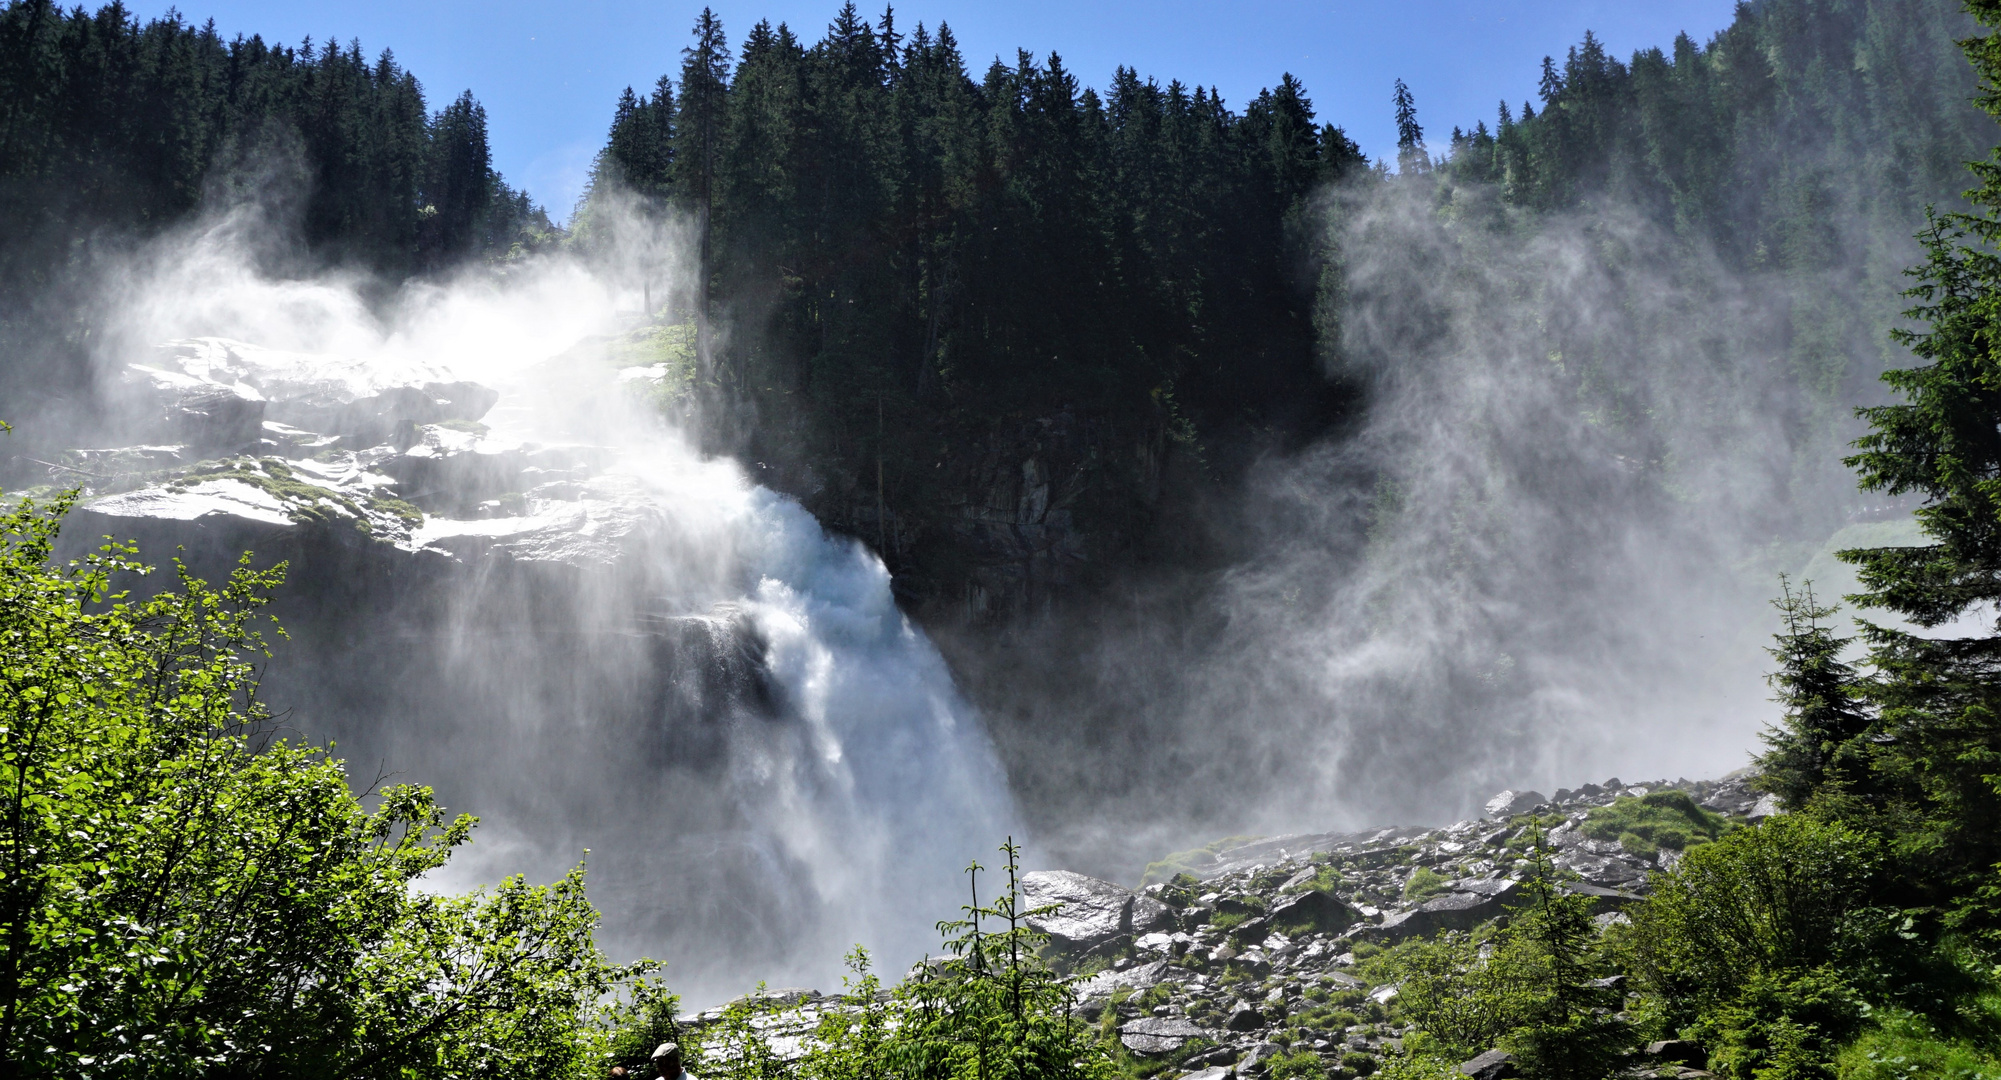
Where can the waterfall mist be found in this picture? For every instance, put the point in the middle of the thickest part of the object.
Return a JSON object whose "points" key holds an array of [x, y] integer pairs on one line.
{"points": [[643, 654], [1542, 556]]}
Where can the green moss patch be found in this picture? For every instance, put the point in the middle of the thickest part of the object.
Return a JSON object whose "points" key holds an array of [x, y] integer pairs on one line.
{"points": [[1659, 819]]}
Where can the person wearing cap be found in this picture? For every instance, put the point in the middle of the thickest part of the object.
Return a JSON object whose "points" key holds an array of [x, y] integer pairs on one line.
{"points": [[667, 1062]]}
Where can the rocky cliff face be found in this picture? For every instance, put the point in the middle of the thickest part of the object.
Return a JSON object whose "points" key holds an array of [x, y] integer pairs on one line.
{"points": [[1008, 517]]}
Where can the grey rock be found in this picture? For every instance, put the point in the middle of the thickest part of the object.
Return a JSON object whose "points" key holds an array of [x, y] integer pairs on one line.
{"points": [[1213, 1072], [1603, 899], [367, 400], [171, 404], [1679, 1052], [1314, 909], [1090, 912], [1138, 977], [1159, 1034], [1255, 1059], [1607, 871], [1245, 1018], [1150, 916], [1509, 803], [450, 468], [1492, 1065], [1458, 910], [1166, 1026], [1151, 1045]]}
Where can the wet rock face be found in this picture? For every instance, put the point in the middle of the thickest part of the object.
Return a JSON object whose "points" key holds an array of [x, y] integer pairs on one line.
{"points": [[1092, 914], [349, 469], [214, 392]]}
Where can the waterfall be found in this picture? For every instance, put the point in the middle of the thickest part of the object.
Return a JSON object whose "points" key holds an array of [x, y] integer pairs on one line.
{"points": [[513, 578]]}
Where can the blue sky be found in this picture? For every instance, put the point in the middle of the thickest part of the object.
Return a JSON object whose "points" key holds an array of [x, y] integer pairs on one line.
{"points": [[549, 73]]}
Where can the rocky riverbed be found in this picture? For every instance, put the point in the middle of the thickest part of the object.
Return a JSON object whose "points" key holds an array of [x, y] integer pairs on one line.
{"points": [[1252, 948]]}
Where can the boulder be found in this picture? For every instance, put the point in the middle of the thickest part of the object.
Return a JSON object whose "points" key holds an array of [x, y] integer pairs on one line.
{"points": [[1605, 871], [1137, 977], [1313, 909], [1678, 1052], [1468, 905], [1090, 913], [450, 467], [1492, 1065], [1509, 803], [1245, 1018], [1255, 1059], [1213, 1072], [1159, 1034], [1602, 899]]}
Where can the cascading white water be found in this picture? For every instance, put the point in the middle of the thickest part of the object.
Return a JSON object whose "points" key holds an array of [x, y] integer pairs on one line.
{"points": [[635, 650]]}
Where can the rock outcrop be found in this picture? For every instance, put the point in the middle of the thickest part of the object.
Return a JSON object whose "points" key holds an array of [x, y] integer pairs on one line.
{"points": [[1090, 914], [1219, 968]]}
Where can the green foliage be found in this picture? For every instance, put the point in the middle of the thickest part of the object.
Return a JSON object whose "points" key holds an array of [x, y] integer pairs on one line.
{"points": [[1185, 863], [630, 1027], [1768, 902], [1298, 1065], [1658, 819], [1821, 742], [1424, 883], [1326, 879], [1530, 988], [1936, 739], [187, 892], [992, 1009], [1901, 1045]]}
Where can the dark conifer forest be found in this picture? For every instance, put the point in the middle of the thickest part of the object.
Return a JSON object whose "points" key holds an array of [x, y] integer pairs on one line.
{"points": [[112, 129], [913, 270]]}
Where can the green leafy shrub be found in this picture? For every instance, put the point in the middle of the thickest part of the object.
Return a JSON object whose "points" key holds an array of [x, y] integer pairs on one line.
{"points": [[1658, 819], [1774, 900], [185, 892], [1535, 993], [1781, 1026], [1297, 1065]]}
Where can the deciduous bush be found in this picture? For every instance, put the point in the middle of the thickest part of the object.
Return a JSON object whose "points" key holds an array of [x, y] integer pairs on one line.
{"points": [[184, 891]]}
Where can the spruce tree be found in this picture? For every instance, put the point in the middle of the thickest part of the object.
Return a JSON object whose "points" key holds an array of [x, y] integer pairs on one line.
{"points": [[1411, 156], [1819, 741]]}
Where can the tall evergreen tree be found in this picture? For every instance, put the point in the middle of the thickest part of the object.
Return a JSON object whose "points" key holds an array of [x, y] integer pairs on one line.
{"points": [[705, 71], [1411, 155]]}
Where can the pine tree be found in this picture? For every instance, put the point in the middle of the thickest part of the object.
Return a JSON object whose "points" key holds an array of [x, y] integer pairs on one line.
{"points": [[705, 72], [1819, 742], [1411, 155]]}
